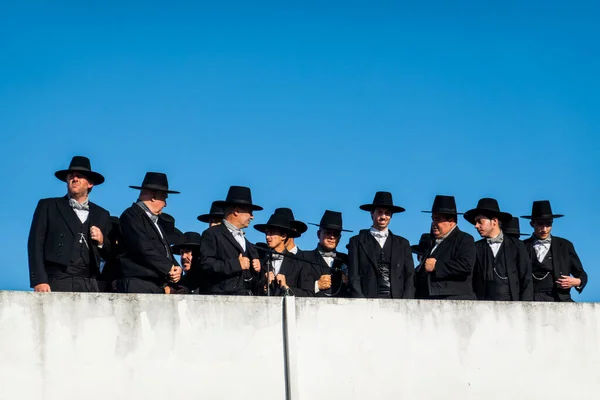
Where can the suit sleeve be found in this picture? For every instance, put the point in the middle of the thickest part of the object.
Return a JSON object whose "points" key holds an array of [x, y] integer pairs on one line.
{"points": [[211, 263], [576, 267], [35, 245], [353, 274], [137, 244], [478, 276], [106, 250], [525, 274], [461, 266], [409, 273], [305, 285]]}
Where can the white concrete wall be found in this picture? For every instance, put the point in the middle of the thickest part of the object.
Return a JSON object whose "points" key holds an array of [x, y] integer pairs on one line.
{"points": [[87, 346], [384, 349], [98, 346]]}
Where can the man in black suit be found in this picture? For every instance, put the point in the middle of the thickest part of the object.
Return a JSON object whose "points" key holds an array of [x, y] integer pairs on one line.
{"points": [[502, 269], [147, 263], [298, 226], [229, 262], [329, 268], [380, 264], [69, 235], [286, 273], [188, 249], [556, 265], [446, 271]]}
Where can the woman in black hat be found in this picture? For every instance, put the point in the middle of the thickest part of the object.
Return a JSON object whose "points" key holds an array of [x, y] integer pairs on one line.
{"points": [[69, 235], [556, 265], [147, 263], [229, 260], [380, 264], [286, 274], [328, 266], [502, 270], [447, 269]]}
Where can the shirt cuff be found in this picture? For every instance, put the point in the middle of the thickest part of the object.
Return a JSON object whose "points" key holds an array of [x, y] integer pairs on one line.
{"points": [[100, 246], [316, 286]]}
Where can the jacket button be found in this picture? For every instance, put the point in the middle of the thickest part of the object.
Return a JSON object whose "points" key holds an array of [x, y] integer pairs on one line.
{"points": [[60, 245], [62, 235]]}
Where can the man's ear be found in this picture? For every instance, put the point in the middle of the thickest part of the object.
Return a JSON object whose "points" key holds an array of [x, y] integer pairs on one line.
{"points": [[319, 234], [531, 224]]}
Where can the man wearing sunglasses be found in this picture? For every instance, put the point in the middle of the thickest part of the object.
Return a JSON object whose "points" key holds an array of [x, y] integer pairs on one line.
{"points": [[329, 267], [556, 266]]}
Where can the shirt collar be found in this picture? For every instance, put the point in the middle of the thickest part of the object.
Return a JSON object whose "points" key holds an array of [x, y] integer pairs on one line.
{"points": [[376, 232], [440, 240], [232, 228]]}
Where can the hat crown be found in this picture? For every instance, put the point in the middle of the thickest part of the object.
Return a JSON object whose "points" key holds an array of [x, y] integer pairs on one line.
{"points": [[424, 240], [80, 163], [512, 226], [541, 208], [216, 209], [192, 237], [239, 194], [383, 199], [331, 219], [444, 205], [155, 180], [286, 212], [279, 220], [488, 204]]}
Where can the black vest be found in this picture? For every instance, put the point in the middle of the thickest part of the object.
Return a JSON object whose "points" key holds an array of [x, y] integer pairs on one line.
{"points": [[496, 276], [543, 278], [384, 259], [79, 264]]}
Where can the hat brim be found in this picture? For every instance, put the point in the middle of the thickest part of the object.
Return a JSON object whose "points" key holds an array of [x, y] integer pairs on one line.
{"points": [[95, 177], [439, 212], [299, 226], [207, 217], [223, 203], [515, 233], [288, 231], [472, 214], [393, 208], [155, 189], [176, 248], [335, 228], [553, 216]]}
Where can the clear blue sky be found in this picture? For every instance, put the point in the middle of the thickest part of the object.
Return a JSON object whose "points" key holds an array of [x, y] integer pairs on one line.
{"points": [[315, 105]]}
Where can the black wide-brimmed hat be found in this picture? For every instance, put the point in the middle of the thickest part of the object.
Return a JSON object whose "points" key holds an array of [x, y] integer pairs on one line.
{"points": [[382, 200], [155, 181], [331, 220], [424, 244], [541, 209], [238, 196], [167, 223], [189, 240], [297, 225], [278, 221], [83, 166], [215, 212], [513, 228], [443, 205], [489, 208]]}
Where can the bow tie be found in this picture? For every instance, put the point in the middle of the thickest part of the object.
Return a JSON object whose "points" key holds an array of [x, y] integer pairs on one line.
{"points": [[543, 242], [85, 206], [379, 234], [331, 254], [495, 240], [277, 257]]}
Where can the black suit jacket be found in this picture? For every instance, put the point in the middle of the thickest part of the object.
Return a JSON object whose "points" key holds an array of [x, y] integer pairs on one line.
{"points": [[144, 253], [518, 268], [52, 235], [297, 273], [319, 267], [455, 259], [362, 267], [565, 261], [219, 252]]}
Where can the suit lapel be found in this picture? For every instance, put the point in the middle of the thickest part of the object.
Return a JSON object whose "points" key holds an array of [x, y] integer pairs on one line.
{"points": [[395, 256], [367, 245], [556, 254], [69, 215], [229, 236]]}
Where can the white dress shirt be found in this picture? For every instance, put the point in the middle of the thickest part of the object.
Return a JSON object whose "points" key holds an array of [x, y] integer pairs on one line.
{"points": [[380, 236], [542, 248], [294, 250], [237, 233]]}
